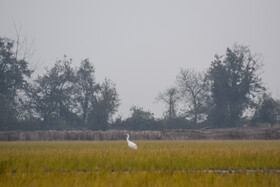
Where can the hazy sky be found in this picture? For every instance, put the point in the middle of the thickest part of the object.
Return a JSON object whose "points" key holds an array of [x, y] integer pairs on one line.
{"points": [[142, 44]]}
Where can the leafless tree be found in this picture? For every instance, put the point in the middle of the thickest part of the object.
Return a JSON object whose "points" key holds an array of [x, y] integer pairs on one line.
{"points": [[24, 47], [170, 97], [192, 89]]}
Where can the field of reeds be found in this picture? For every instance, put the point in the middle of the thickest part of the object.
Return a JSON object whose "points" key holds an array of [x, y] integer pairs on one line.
{"points": [[113, 135], [155, 163]]}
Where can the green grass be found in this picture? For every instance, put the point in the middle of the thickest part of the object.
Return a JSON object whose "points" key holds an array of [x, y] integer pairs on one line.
{"points": [[155, 163]]}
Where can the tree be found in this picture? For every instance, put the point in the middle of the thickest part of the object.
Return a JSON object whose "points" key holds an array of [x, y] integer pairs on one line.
{"points": [[14, 73], [104, 106], [86, 89], [52, 95], [267, 111], [193, 91], [140, 120], [170, 97], [234, 84]]}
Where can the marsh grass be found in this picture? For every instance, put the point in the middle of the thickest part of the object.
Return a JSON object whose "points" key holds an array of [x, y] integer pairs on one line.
{"points": [[155, 163], [139, 179]]}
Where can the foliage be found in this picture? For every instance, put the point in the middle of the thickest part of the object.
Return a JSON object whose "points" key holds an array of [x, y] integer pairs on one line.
{"points": [[267, 111], [104, 106], [52, 94], [64, 98], [14, 73], [175, 123], [86, 89], [139, 120], [70, 98], [234, 84]]}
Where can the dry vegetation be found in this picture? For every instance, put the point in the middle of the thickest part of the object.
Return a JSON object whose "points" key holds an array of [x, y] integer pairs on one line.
{"points": [[155, 163], [206, 134]]}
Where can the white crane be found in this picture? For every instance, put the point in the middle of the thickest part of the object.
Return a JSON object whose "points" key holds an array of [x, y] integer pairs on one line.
{"points": [[130, 143]]}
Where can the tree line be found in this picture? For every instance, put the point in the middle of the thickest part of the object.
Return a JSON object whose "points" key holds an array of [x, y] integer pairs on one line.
{"points": [[230, 93], [62, 98]]}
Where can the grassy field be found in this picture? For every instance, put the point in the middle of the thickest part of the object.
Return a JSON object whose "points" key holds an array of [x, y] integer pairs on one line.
{"points": [[155, 163]]}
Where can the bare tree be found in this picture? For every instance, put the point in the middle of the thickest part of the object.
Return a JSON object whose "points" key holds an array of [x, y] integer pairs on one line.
{"points": [[192, 88], [170, 97], [24, 48]]}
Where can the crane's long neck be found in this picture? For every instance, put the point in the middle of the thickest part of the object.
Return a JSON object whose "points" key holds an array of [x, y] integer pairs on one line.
{"points": [[127, 137]]}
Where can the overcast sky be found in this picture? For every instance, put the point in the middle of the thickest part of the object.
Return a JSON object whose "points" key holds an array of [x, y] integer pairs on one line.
{"points": [[142, 44]]}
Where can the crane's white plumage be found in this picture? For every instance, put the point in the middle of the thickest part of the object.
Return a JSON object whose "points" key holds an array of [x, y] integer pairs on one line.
{"points": [[130, 143]]}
